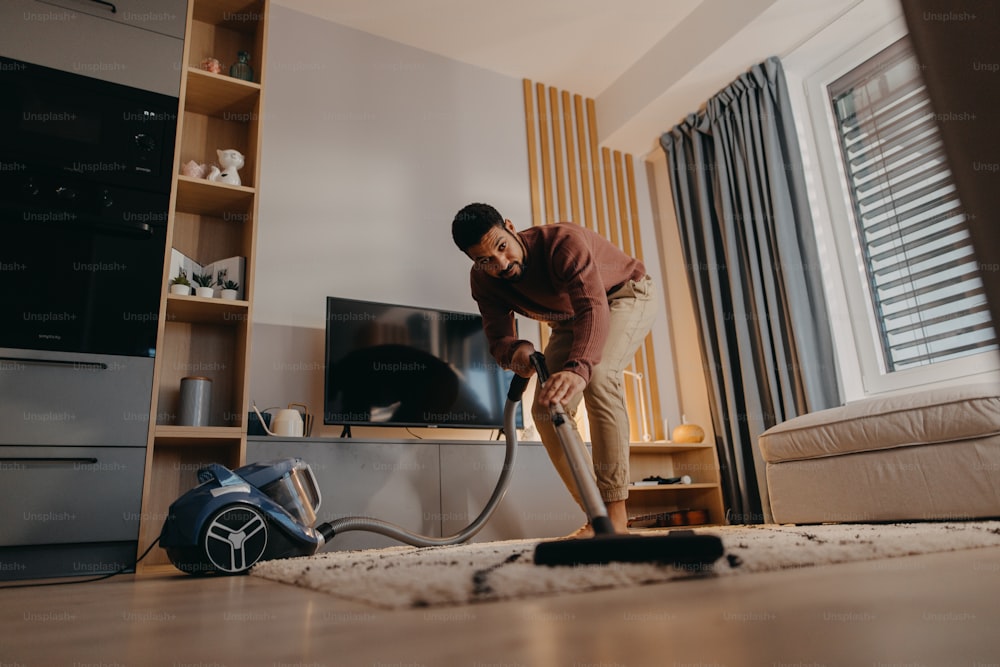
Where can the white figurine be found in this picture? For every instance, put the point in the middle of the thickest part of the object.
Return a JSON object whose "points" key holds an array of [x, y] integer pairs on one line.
{"points": [[231, 160]]}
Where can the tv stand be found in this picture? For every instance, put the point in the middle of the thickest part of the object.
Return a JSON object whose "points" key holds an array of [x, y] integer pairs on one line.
{"points": [[434, 487], [346, 433]]}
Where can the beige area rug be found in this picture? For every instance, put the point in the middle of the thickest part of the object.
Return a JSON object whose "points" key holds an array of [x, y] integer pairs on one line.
{"points": [[400, 577]]}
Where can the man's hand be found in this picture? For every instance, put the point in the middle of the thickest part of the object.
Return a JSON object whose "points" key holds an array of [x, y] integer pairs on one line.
{"points": [[520, 361], [560, 387]]}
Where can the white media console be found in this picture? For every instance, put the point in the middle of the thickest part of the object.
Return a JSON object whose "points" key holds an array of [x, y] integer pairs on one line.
{"points": [[434, 487]]}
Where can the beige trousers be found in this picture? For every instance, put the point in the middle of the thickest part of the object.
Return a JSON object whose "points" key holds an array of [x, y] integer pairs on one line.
{"points": [[633, 310]]}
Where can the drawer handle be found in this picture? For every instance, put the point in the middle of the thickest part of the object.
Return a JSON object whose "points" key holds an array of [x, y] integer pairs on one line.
{"points": [[114, 10], [92, 365], [39, 460]]}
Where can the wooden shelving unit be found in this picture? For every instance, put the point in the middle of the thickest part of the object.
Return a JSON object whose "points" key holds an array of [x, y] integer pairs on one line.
{"points": [[208, 221], [667, 459]]}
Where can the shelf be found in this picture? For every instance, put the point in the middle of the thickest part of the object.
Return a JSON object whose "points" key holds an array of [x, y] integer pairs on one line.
{"points": [[671, 487], [196, 434], [239, 15], [201, 197], [666, 447], [202, 336], [206, 310], [665, 529], [221, 96]]}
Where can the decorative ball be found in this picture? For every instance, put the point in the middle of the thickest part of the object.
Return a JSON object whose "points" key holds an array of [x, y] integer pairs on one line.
{"points": [[194, 170], [688, 433], [211, 65]]}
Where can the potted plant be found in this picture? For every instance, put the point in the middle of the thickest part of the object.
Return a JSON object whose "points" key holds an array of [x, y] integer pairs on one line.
{"points": [[204, 282], [229, 289], [180, 284]]}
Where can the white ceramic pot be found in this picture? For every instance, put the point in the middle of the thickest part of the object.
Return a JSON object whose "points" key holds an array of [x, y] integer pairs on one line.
{"points": [[229, 294], [180, 289], [205, 291]]}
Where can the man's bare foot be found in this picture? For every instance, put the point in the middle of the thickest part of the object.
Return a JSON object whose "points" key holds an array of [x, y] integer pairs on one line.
{"points": [[618, 516], [586, 530]]}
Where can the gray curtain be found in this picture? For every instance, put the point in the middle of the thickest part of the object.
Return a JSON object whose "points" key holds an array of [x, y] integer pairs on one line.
{"points": [[747, 237]]}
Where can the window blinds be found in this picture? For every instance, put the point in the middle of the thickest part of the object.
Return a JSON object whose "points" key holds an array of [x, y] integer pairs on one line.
{"points": [[924, 279]]}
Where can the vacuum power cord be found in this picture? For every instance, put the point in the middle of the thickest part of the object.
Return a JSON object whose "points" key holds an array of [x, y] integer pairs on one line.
{"points": [[330, 529], [121, 570]]}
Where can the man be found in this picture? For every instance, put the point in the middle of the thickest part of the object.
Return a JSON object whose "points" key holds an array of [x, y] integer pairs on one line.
{"points": [[598, 302]]}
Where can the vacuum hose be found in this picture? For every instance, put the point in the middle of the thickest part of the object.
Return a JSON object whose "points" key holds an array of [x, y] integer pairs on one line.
{"points": [[368, 524]]}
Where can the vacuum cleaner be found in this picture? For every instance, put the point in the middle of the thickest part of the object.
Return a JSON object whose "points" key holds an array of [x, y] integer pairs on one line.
{"points": [[236, 518]]}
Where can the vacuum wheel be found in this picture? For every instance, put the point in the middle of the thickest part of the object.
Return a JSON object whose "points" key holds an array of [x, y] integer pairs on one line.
{"points": [[235, 538]]}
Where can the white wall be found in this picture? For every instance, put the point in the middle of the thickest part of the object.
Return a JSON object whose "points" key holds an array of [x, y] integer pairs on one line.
{"points": [[369, 149]]}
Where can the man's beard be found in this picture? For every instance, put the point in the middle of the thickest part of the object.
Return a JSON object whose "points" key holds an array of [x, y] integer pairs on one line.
{"points": [[521, 265], [515, 277]]}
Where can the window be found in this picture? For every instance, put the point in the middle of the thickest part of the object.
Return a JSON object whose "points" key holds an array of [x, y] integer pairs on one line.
{"points": [[922, 277]]}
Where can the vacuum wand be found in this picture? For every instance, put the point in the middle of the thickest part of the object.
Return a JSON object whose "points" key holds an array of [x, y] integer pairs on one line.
{"points": [[593, 505], [684, 549]]}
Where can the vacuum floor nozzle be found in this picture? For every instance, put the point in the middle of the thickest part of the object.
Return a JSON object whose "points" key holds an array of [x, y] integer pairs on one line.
{"points": [[680, 548], [683, 549]]}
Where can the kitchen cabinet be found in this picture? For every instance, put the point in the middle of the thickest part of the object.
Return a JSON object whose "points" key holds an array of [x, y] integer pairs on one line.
{"points": [[72, 456], [135, 46]]}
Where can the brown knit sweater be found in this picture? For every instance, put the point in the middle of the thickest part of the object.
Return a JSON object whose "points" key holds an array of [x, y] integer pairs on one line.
{"points": [[569, 272]]}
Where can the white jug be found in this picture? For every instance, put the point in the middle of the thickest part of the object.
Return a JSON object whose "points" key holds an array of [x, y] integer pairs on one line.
{"points": [[286, 423]]}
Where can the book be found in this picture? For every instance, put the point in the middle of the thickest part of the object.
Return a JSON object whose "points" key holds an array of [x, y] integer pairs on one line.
{"points": [[230, 268]]}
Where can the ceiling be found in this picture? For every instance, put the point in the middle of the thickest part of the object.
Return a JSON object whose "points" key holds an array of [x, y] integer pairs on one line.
{"points": [[646, 63]]}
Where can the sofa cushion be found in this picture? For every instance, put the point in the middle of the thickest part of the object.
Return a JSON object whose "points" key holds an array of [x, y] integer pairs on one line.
{"points": [[918, 418]]}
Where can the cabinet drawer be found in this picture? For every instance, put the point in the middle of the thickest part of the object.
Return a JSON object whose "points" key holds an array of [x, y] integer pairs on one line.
{"points": [[167, 17], [52, 398], [58, 495], [97, 46]]}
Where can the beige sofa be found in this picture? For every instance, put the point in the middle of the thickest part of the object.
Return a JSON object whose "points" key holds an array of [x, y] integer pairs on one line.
{"points": [[927, 455]]}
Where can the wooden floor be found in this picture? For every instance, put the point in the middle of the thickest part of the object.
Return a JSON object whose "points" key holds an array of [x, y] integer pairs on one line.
{"points": [[937, 609]]}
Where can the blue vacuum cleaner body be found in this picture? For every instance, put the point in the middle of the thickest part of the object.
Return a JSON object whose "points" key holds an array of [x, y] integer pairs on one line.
{"points": [[236, 518]]}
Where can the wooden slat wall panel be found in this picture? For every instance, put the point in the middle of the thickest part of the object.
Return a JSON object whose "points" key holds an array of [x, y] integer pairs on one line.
{"points": [[543, 135], [609, 192], [580, 120], [582, 182], [571, 161], [555, 118], [595, 161], [529, 114]]}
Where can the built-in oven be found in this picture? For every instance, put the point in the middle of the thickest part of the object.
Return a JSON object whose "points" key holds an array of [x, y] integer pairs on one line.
{"points": [[85, 173]]}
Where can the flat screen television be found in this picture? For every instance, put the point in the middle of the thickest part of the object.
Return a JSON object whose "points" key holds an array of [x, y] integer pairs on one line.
{"points": [[395, 365]]}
